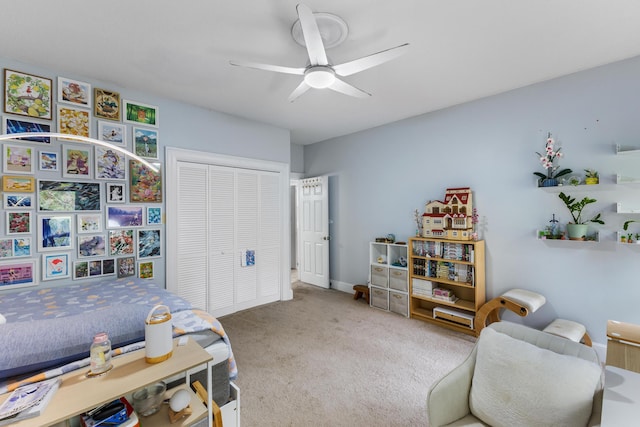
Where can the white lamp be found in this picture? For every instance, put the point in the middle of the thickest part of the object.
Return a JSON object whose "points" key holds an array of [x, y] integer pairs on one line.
{"points": [[319, 76]]}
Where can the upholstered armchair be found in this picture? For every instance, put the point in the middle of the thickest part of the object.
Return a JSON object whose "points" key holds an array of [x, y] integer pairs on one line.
{"points": [[519, 376]]}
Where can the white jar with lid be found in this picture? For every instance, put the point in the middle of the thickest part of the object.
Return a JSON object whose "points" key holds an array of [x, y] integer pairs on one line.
{"points": [[100, 354]]}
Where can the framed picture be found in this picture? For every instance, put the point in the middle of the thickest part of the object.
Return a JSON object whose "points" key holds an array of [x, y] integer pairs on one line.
{"points": [[14, 248], [124, 216], [18, 222], [18, 159], [18, 184], [108, 267], [110, 164], [145, 142], [68, 196], [17, 274], [113, 133], [55, 232], [126, 266], [121, 242], [76, 162], [145, 269], [73, 121], [89, 223], [27, 94], [149, 243], [115, 192], [95, 268], [91, 246], [106, 104], [74, 92], [49, 161], [141, 114], [55, 266], [21, 246], [80, 270], [145, 184], [154, 215], [18, 201], [13, 125], [6, 248]]}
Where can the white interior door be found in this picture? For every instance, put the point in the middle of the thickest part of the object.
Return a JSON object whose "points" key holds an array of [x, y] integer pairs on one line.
{"points": [[314, 231]]}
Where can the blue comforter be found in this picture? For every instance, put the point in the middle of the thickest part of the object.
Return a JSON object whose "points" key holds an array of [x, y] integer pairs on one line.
{"points": [[49, 331]]}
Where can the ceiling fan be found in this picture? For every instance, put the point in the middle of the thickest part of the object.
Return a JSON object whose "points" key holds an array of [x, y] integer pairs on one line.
{"points": [[320, 74]]}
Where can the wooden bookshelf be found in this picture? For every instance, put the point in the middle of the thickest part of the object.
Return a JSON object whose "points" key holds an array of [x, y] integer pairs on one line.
{"points": [[454, 265]]}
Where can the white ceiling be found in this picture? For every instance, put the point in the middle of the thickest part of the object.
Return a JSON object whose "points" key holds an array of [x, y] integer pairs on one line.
{"points": [[460, 50]]}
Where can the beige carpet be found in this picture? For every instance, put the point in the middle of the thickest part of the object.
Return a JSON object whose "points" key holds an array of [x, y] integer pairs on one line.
{"points": [[324, 359]]}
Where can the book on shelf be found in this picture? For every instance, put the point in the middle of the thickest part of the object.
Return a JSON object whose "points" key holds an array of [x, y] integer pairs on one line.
{"points": [[28, 401], [451, 298]]}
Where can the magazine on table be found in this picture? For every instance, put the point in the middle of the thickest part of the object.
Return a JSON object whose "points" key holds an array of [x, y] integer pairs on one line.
{"points": [[28, 401]]}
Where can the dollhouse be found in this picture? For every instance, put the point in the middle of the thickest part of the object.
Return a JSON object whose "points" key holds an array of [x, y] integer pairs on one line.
{"points": [[451, 218]]}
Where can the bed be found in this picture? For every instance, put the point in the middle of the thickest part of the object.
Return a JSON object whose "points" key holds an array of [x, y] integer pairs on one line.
{"points": [[48, 331]]}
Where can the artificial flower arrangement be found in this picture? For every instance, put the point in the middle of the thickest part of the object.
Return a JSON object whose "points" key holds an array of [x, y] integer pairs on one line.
{"points": [[548, 159]]}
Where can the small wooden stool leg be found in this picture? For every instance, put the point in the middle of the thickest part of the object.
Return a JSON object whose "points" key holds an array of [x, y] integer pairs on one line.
{"points": [[361, 291]]}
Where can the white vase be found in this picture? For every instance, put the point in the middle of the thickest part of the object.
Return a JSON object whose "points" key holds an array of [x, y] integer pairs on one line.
{"points": [[577, 231]]}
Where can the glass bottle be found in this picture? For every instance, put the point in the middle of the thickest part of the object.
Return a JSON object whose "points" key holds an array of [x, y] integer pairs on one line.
{"points": [[100, 354]]}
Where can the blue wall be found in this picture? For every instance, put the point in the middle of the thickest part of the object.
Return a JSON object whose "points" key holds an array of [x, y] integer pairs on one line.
{"points": [[380, 176], [180, 125]]}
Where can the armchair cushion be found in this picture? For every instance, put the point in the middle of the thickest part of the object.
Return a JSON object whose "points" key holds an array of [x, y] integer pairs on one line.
{"points": [[559, 389]]}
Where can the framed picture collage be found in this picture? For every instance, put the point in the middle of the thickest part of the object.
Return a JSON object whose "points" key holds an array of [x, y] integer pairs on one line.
{"points": [[76, 210]]}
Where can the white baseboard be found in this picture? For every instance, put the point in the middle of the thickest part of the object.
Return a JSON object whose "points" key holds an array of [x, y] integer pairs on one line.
{"points": [[342, 286], [601, 349]]}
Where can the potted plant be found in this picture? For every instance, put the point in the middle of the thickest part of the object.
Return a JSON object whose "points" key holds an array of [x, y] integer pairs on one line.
{"points": [[628, 238], [550, 179], [592, 177], [578, 229]]}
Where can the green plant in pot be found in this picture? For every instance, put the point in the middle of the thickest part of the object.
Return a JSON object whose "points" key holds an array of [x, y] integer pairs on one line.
{"points": [[548, 159], [591, 177], [625, 227], [578, 229]]}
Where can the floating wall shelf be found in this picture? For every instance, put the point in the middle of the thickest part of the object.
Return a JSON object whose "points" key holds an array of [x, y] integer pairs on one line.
{"points": [[626, 151], [622, 209], [592, 238]]}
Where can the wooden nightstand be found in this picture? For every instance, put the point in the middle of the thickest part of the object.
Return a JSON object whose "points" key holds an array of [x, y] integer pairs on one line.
{"points": [[78, 394]]}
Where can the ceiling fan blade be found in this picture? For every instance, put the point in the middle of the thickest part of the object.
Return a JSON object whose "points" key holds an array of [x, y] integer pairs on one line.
{"points": [[369, 61], [302, 88], [268, 67], [312, 37], [342, 87]]}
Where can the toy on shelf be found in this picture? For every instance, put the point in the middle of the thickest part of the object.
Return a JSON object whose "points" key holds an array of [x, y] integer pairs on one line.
{"points": [[450, 219]]}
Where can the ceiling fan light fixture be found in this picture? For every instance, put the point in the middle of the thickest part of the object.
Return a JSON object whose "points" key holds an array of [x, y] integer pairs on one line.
{"points": [[333, 30], [319, 77]]}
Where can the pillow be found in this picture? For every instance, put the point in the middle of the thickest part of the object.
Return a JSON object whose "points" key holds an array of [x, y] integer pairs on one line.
{"points": [[516, 383]]}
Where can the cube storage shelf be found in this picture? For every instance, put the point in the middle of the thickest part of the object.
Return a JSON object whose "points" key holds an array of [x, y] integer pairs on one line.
{"points": [[388, 279], [446, 281]]}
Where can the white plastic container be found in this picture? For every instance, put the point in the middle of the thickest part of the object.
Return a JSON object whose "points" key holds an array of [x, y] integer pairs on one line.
{"points": [[158, 335]]}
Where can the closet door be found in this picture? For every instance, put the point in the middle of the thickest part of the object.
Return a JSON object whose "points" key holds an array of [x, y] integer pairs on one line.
{"points": [[221, 237], [215, 214], [269, 233], [192, 236]]}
